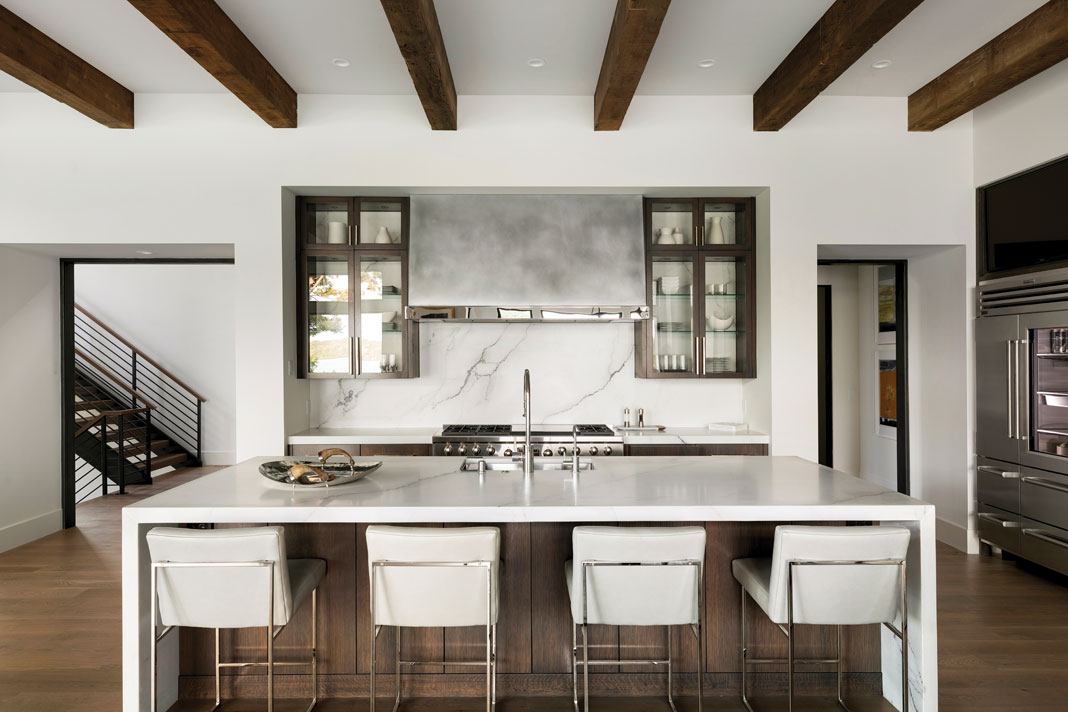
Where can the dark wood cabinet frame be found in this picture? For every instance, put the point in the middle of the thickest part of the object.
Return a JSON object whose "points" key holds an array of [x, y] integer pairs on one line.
{"points": [[355, 252], [643, 332]]}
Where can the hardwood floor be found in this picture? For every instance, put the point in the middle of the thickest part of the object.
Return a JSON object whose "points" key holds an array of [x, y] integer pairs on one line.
{"points": [[1003, 632]]}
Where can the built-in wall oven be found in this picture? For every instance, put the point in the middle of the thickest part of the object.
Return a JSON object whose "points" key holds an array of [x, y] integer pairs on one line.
{"points": [[1021, 361]]}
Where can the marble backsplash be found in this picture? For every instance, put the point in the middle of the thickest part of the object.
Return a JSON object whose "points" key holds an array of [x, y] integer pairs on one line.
{"points": [[473, 373]]}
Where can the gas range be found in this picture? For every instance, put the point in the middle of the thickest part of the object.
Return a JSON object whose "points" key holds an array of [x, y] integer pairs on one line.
{"points": [[546, 440]]}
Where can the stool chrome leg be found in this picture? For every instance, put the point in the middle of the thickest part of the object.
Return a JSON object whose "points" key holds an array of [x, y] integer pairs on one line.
{"points": [[585, 670], [790, 635], [671, 702], [396, 668], [574, 665], [745, 654], [218, 677]]}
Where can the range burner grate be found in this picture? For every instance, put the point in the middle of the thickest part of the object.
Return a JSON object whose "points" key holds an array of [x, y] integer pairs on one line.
{"points": [[477, 430]]}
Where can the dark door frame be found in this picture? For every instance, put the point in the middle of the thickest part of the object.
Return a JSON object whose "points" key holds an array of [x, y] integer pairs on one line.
{"points": [[901, 277], [66, 350], [826, 378]]}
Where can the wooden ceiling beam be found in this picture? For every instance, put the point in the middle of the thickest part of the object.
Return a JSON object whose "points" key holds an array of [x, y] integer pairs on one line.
{"points": [[415, 25], [846, 31], [33, 57], [1032, 45], [635, 27], [208, 35]]}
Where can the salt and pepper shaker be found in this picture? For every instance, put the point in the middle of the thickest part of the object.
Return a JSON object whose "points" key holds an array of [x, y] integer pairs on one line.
{"points": [[641, 417], [626, 417]]}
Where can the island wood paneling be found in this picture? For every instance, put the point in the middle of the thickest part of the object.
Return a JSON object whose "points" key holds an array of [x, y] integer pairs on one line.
{"points": [[534, 633]]}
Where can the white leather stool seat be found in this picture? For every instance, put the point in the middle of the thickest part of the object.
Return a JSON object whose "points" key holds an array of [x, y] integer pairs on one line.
{"points": [[636, 595], [429, 596], [828, 595], [755, 577], [229, 596]]}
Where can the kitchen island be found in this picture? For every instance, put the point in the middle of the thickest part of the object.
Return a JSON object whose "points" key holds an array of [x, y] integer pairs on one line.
{"points": [[738, 499]]}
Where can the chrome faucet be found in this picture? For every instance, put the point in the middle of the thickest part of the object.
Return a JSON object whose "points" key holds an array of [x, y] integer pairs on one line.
{"points": [[575, 466], [528, 453]]}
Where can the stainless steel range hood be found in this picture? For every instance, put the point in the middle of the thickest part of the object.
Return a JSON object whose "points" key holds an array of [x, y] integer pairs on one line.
{"points": [[527, 258]]}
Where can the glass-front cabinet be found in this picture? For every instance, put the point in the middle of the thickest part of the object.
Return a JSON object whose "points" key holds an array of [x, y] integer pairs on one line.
{"points": [[354, 281], [701, 282]]}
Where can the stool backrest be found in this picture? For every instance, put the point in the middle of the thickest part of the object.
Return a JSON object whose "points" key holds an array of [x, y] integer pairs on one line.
{"points": [[433, 595], [838, 594], [637, 595], [221, 596]]}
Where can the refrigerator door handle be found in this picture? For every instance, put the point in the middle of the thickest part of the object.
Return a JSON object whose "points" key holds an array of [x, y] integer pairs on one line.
{"points": [[1020, 343], [1010, 397]]}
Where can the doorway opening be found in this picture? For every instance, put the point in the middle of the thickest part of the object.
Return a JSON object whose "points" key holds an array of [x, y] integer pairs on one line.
{"points": [[863, 369], [132, 332]]}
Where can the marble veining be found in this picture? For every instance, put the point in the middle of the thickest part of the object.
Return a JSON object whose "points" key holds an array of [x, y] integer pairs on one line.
{"points": [[473, 373]]}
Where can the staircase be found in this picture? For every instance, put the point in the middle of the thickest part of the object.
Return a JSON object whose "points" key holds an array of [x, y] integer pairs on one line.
{"points": [[132, 418]]}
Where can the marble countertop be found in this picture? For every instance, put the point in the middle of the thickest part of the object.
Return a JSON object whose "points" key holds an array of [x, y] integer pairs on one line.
{"points": [[424, 436], [432, 489]]}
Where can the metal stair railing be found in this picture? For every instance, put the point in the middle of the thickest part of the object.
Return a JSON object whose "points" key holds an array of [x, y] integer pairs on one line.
{"points": [[139, 380], [113, 462]]}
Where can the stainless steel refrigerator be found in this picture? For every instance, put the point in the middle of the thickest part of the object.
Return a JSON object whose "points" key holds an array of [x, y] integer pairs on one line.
{"points": [[1021, 376]]}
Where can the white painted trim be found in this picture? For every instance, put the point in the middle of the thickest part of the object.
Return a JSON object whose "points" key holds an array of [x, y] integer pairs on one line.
{"points": [[31, 529], [218, 457], [956, 536]]}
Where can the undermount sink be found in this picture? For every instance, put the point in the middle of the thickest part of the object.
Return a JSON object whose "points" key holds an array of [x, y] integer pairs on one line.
{"points": [[509, 464]]}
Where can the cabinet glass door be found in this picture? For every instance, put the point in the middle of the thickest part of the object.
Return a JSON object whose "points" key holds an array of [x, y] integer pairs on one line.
{"points": [[329, 315], [326, 222], [672, 323], [1049, 417], [382, 325], [382, 222], [724, 291], [723, 224], [671, 223]]}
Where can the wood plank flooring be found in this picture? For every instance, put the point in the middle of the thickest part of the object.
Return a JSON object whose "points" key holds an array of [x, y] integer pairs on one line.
{"points": [[1003, 633]]}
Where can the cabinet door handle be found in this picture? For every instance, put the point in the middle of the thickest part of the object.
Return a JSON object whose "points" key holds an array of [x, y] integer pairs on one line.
{"points": [[698, 362], [1004, 474], [1048, 484], [1046, 537], [1000, 521], [354, 347]]}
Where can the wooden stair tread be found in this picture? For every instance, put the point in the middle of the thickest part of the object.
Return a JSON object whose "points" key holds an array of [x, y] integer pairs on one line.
{"points": [[163, 461]]}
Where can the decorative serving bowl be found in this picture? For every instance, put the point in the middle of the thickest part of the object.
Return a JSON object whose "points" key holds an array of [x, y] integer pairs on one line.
{"points": [[308, 473]]}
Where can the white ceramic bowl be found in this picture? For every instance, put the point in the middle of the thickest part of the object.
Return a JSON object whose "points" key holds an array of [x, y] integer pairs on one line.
{"points": [[717, 324], [388, 316]]}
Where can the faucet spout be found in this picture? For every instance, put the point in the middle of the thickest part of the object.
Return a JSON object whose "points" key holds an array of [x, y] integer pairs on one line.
{"points": [[528, 453]]}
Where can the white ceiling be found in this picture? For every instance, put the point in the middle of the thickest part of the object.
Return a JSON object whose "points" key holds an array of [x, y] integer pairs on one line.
{"points": [[489, 42]]}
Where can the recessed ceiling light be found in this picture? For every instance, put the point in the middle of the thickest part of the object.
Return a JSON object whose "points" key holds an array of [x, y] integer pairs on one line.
{"points": [[341, 62], [882, 64], [536, 63], [706, 63], [143, 252]]}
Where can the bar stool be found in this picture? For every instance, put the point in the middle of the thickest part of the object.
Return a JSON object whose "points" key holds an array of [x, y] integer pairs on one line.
{"points": [[642, 576], [820, 575], [423, 577], [231, 578]]}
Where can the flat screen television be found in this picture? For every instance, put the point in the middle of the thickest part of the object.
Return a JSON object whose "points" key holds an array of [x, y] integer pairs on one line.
{"points": [[1024, 221]]}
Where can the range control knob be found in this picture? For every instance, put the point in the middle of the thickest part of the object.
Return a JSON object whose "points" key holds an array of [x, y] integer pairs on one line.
{"points": [[547, 452], [476, 449], [593, 451], [463, 450], [607, 450], [562, 451], [448, 448], [490, 449], [508, 452]]}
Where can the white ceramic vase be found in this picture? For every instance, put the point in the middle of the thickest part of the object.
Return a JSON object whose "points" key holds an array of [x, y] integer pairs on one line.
{"points": [[665, 236], [383, 237], [337, 233], [715, 231]]}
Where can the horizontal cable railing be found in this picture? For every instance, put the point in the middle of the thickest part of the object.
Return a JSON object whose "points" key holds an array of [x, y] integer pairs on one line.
{"points": [[135, 378], [111, 448]]}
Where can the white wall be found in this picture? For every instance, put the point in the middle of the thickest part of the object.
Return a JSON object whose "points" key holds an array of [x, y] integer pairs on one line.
{"points": [[1023, 127], [30, 419], [203, 168], [846, 362], [181, 316]]}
